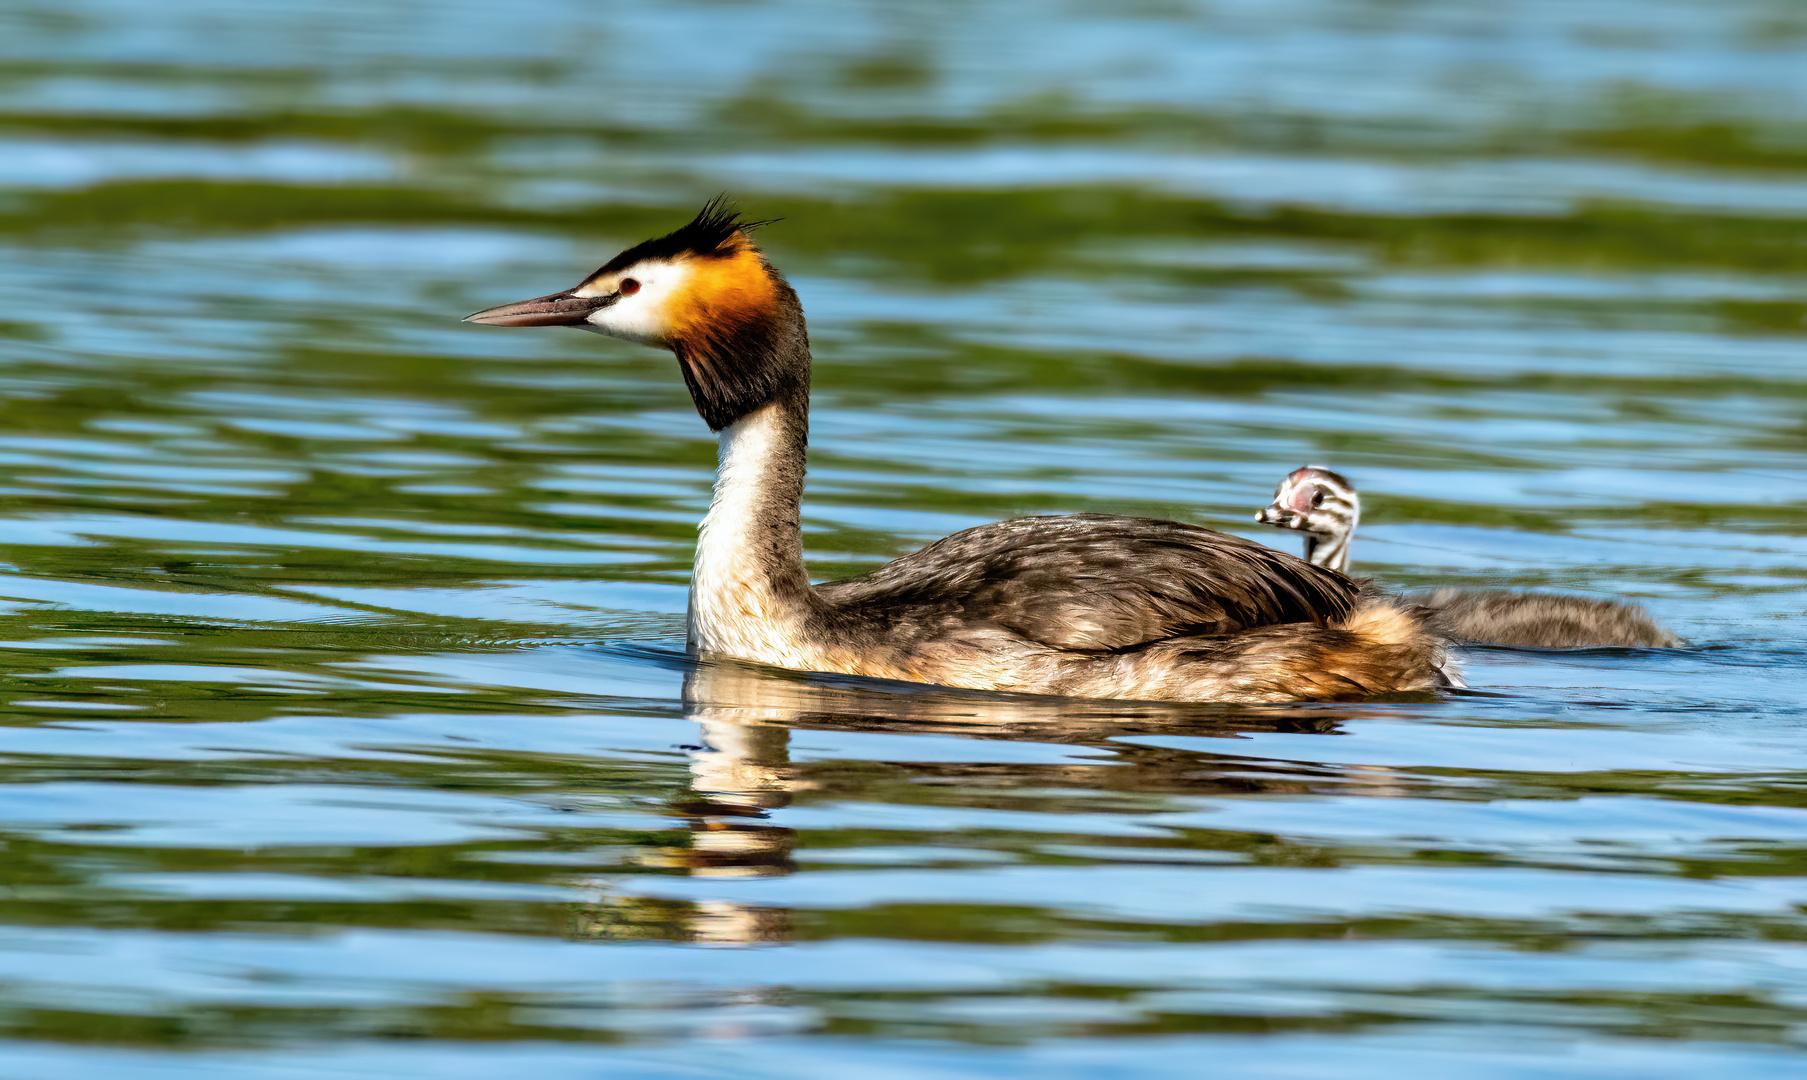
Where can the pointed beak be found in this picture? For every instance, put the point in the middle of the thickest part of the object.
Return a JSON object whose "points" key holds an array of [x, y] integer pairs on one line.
{"points": [[1276, 515], [559, 309]]}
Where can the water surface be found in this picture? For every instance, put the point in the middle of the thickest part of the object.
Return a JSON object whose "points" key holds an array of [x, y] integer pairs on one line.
{"points": [[348, 728]]}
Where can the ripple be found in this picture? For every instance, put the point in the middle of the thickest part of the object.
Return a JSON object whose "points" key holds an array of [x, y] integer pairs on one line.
{"points": [[349, 727]]}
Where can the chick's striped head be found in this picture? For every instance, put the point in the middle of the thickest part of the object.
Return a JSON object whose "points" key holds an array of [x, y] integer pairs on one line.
{"points": [[1314, 500]]}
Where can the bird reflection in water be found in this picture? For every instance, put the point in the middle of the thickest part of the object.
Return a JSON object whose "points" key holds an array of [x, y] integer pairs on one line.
{"points": [[741, 771]]}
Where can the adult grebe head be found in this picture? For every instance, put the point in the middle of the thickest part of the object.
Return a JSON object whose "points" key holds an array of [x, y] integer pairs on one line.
{"points": [[706, 293], [1321, 504]]}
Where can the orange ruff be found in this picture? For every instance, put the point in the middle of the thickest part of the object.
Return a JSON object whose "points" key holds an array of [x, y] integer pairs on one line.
{"points": [[720, 295]]}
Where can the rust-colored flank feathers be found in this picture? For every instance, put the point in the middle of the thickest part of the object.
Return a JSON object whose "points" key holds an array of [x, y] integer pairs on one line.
{"points": [[1088, 606]]}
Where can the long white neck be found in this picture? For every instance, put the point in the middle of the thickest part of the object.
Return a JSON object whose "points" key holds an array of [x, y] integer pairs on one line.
{"points": [[749, 593]]}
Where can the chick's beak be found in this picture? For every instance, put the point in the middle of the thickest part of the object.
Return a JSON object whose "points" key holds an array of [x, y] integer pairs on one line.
{"points": [[558, 309], [1275, 515]]}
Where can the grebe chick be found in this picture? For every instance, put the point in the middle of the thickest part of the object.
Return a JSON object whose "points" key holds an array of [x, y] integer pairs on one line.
{"points": [[1085, 606], [1323, 506]]}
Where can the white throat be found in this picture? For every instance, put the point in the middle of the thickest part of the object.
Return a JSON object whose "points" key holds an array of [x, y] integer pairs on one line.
{"points": [[735, 610]]}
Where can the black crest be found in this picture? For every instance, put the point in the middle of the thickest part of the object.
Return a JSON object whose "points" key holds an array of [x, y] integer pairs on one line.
{"points": [[706, 234]]}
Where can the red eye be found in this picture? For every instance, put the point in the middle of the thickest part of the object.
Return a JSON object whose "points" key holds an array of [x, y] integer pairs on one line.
{"points": [[628, 286]]}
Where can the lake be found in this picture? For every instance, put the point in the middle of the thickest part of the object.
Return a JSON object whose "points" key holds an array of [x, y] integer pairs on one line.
{"points": [[348, 726]]}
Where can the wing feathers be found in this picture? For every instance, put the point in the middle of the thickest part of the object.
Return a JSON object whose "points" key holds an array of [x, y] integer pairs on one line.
{"points": [[1099, 583]]}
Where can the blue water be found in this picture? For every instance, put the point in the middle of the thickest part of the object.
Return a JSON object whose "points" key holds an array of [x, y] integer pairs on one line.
{"points": [[348, 729]]}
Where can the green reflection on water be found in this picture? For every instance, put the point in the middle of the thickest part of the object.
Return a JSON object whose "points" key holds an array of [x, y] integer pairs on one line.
{"points": [[292, 559]]}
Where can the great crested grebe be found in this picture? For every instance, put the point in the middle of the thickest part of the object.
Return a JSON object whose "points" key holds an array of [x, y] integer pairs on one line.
{"points": [[1086, 606], [1323, 506]]}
